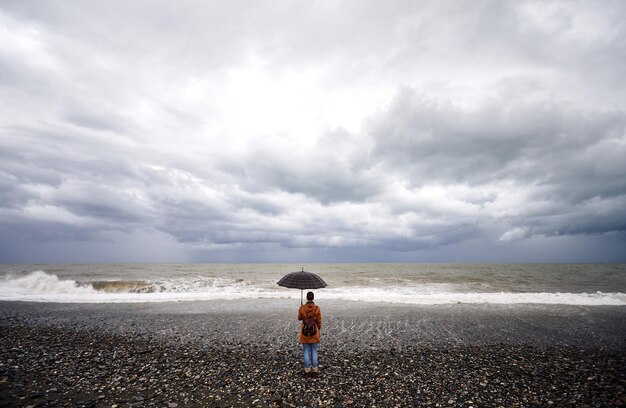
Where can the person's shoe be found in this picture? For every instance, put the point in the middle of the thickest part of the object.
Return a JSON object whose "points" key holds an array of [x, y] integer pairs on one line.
{"points": [[307, 370], [314, 370]]}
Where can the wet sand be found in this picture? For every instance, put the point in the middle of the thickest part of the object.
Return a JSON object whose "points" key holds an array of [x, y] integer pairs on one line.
{"points": [[243, 353]]}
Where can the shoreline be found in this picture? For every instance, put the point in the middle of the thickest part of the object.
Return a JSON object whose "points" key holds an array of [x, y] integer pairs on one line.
{"points": [[346, 324], [222, 354]]}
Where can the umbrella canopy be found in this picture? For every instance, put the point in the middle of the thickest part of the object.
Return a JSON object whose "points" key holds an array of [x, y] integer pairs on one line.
{"points": [[302, 280]]}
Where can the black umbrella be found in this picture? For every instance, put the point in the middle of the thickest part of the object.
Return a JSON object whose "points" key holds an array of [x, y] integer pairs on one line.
{"points": [[302, 280]]}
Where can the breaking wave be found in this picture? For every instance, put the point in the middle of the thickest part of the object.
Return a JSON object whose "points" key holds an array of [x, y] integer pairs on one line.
{"points": [[40, 286], [119, 286]]}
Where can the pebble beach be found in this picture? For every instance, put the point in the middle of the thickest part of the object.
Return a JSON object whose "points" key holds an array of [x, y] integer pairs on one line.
{"points": [[243, 353]]}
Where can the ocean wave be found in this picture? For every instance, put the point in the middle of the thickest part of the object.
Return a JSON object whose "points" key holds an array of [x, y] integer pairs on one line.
{"points": [[40, 282], [40, 286], [120, 286]]}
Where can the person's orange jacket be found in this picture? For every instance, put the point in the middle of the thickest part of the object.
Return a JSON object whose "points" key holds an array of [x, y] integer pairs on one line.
{"points": [[310, 309]]}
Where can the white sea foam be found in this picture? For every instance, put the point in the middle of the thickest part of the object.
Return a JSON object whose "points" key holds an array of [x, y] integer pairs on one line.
{"points": [[40, 286], [407, 296], [40, 282]]}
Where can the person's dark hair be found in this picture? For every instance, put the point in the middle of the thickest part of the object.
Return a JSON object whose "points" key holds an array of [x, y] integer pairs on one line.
{"points": [[309, 296]]}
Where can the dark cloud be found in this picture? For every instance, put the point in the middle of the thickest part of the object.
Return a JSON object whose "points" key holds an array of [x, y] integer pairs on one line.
{"points": [[503, 138], [354, 131], [564, 160], [334, 170]]}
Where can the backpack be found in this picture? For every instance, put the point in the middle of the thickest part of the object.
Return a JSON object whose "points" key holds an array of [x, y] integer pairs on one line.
{"points": [[309, 328]]}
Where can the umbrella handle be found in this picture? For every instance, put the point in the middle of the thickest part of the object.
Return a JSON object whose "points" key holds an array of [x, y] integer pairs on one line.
{"points": [[301, 296]]}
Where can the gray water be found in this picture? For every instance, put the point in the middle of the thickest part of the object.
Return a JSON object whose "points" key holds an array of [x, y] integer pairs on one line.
{"points": [[574, 278], [602, 284]]}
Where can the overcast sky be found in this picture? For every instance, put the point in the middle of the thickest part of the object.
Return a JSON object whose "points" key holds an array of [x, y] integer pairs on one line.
{"points": [[313, 131]]}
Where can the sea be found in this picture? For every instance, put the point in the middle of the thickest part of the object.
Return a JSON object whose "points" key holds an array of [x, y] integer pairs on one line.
{"points": [[425, 284]]}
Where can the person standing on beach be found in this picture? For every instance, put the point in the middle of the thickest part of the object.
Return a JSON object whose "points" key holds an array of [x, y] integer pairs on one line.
{"points": [[309, 313]]}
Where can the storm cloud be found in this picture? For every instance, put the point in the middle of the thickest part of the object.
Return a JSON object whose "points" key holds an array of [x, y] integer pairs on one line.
{"points": [[353, 131]]}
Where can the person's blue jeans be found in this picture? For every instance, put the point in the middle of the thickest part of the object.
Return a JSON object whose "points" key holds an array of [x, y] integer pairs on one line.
{"points": [[310, 351]]}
